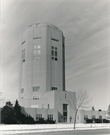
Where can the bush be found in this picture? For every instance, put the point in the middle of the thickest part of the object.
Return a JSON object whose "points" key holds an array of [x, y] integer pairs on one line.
{"points": [[8, 115], [29, 120], [105, 121], [43, 121], [98, 121], [89, 120], [50, 121], [40, 121]]}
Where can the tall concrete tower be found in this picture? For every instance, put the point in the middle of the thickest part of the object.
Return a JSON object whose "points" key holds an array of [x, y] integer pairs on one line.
{"points": [[42, 66]]}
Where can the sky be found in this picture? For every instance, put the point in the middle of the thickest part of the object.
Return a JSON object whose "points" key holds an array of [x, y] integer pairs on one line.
{"points": [[85, 25]]}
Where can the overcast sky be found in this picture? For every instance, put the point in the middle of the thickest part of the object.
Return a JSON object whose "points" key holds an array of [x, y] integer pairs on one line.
{"points": [[85, 26]]}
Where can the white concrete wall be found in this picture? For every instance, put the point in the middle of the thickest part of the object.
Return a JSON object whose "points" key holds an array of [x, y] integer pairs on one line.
{"points": [[89, 113], [41, 70]]}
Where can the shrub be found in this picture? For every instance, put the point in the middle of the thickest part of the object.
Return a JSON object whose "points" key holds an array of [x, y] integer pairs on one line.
{"points": [[8, 115], [98, 121], [105, 121], [43, 121], [40, 121], [50, 121], [89, 120], [29, 120]]}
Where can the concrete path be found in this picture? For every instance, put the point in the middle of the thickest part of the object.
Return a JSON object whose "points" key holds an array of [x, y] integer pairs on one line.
{"points": [[19, 129]]}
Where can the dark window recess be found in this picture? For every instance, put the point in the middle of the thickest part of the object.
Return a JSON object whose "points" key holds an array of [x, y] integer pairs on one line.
{"points": [[52, 47], [55, 53], [23, 42], [65, 112], [54, 39], [64, 107], [35, 98], [54, 88], [37, 38], [56, 59], [52, 52], [23, 60], [36, 88], [23, 55], [52, 58], [55, 48], [65, 96], [48, 106]]}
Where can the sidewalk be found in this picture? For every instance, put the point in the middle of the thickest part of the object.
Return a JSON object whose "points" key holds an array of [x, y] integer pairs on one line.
{"points": [[19, 129]]}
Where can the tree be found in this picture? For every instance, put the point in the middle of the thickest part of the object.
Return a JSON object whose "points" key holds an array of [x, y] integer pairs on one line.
{"points": [[9, 104], [18, 114], [8, 114], [82, 100]]}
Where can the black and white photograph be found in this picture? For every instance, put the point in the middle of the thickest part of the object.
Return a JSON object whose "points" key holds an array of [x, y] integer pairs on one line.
{"points": [[55, 67]]}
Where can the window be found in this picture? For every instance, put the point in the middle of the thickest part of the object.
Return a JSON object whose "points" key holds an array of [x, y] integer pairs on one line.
{"points": [[23, 55], [65, 107], [36, 97], [65, 112], [55, 48], [52, 58], [22, 90], [54, 53], [54, 88], [85, 117], [93, 116], [52, 47], [56, 59], [54, 39], [23, 42], [50, 116], [38, 116], [48, 106], [36, 88], [65, 96], [100, 117], [35, 50]]}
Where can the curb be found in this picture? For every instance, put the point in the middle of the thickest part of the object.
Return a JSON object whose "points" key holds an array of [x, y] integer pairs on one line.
{"points": [[7, 132]]}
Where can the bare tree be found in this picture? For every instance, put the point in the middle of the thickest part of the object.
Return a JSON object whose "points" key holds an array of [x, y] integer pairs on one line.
{"points": [[82, 100]]}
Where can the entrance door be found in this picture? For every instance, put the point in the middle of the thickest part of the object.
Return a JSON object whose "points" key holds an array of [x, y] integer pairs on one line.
{"points": [[65, 112]]}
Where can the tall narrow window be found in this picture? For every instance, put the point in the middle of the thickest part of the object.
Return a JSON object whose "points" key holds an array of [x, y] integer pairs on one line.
{"points": [[23, 55], [54, 53], [65, 96]]}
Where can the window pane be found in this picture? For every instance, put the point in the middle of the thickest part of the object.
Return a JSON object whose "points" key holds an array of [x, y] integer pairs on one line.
{"points": [[52, 53], [52, 47], [56, 53], [55, 48], [52, 58], [56, 59]]}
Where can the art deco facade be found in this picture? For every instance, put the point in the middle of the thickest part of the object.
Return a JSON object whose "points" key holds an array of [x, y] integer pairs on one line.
{"points": [[42, 70]]}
